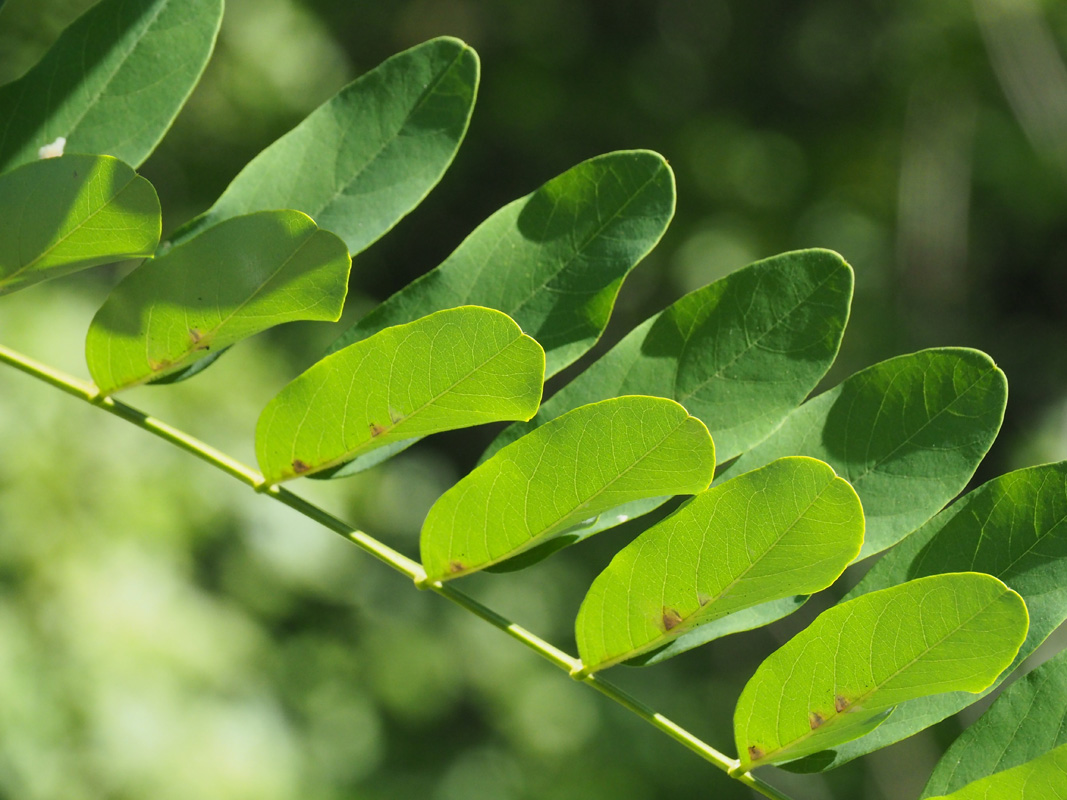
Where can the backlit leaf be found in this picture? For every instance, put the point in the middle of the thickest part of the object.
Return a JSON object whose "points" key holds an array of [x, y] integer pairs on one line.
{"points": [[785, 529], [839, 678], [907, 433], [112, 83], [365, 158], [1028, 720], [739, 354], [567, 471], [1044, 778], [235, 280], [554, 260], [453, 369], [62, 215], [1014, 528]]}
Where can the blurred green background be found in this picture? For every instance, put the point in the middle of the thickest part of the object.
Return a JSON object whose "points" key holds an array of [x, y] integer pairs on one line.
{"points": [[165, 633]]}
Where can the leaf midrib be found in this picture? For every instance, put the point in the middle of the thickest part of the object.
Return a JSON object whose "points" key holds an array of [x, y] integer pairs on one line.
{"points": [[858, 701], [7, 281], [540, 536], [697, 617], [382, 438]]}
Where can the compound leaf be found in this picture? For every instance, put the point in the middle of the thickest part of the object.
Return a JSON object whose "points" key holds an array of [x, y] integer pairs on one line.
{"points": [[907, 433], [1014, 528], [235, 280], [546, 484], [112, 83], [366, 157], [840, 677], [1025, 722], [61, 215], [453, 369], [553, 260], [739, 354], [1044, 778], [788, 528]]}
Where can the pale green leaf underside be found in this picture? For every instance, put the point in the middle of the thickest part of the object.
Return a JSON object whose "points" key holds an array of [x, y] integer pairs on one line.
{"points": [[365, 158], [453, 369], [785, 529], [834, 680], [1026, 721], [61, 215], [554, 260], [112, 83], [907, 433], [595, 458], [235, 280], [1044, 778], [739, 354], [1014, 528]]}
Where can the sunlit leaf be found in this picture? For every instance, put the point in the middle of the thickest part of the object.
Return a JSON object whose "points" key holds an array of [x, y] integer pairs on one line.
{"points": [[907, 433], [234, 281], [62, 215], [112, 83], [365, 158], [1028, 720], [453, 369], [1044, 778], [1013, 527], [544, 486], [554, 260], [839, 678], [739, 354], [785, 529]]}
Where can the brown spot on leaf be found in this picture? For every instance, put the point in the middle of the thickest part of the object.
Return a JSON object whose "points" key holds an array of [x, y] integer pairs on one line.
{"points": [[671, 618], [841, 703], [197, 339], [754, 753], [703, 599], [815, 719], [300, 466], [157, 365], [376, 429], [455, 566]]}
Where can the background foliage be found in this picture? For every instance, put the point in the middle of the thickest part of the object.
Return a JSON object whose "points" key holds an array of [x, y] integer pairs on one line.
{"points": [[167, 636]]}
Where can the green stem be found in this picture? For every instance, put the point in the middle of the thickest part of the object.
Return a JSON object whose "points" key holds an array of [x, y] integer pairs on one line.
{"points": [[398, 561]]}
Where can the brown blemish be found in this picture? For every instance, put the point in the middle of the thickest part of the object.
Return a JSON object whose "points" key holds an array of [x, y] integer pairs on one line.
{"points": [[158, 365], [455, 566], [815, 719], [671, 618], [754, 753], [376, 429], [300, 466], [841, 704], [703, 599], [197, 338]]}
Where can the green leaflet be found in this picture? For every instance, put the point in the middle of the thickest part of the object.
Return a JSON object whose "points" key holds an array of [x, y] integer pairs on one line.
{"points": [[546, 484], [788, 528], [740, 353], [907, 433], [1014, 528], [1024, 723], [112, 83], [365, 158], [61, 215], [838, 679], [553, 260], [1044, 778], [235, 280], [453, 369]]}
